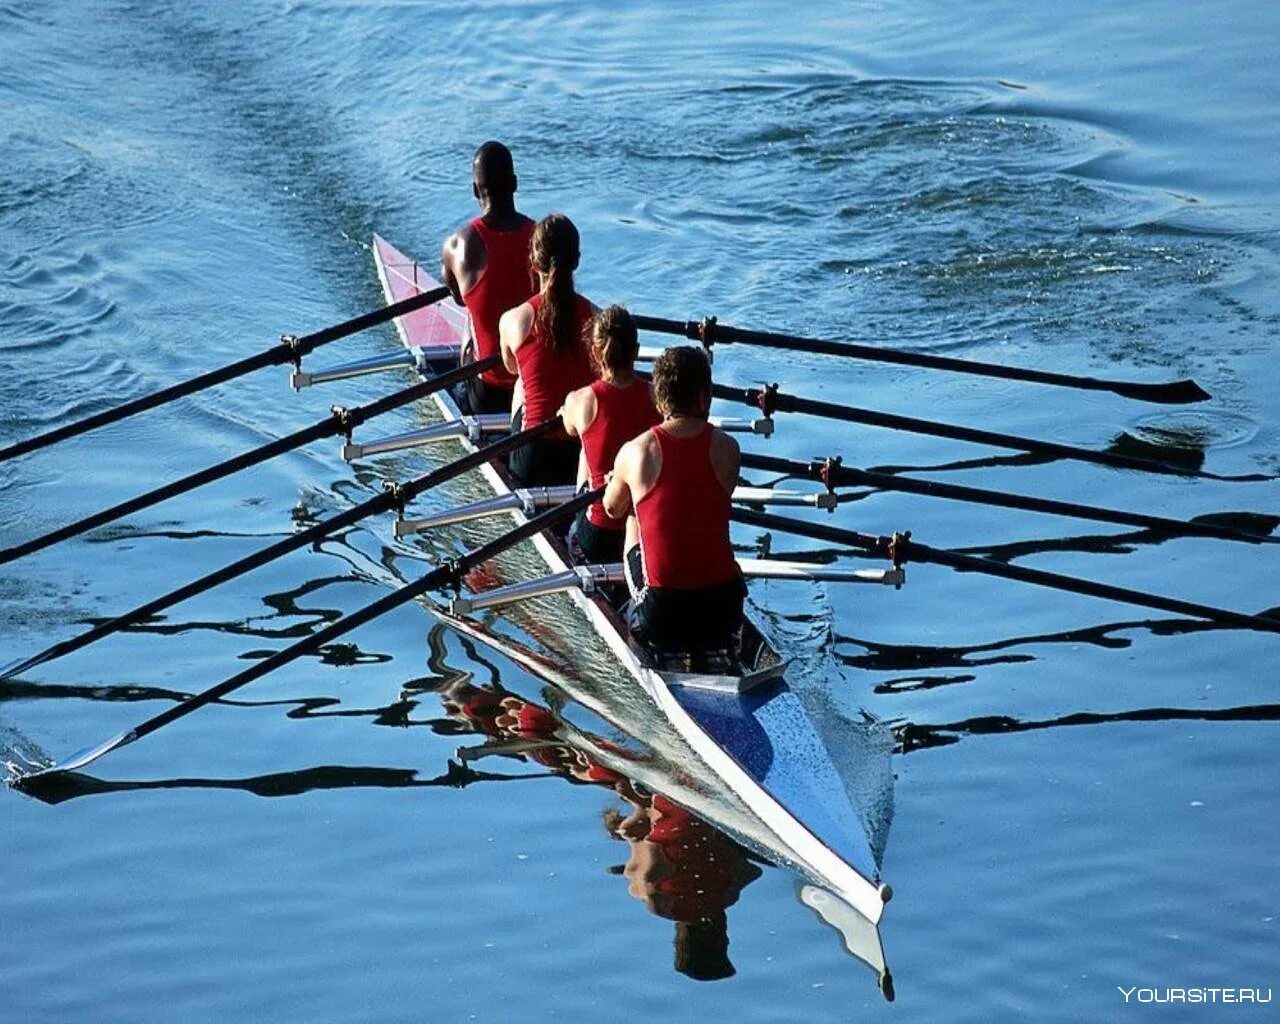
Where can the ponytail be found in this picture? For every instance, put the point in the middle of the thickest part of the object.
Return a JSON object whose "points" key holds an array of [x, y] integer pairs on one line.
{"points": [[614, 343], [554, 252]]}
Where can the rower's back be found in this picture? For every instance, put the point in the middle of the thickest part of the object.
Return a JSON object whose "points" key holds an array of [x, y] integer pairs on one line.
{"points": [[550, 371], [684, 515], [687, 592], [488, 267], [505, 280]]}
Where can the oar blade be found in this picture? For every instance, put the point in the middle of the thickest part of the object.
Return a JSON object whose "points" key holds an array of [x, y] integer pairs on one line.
{"points": [[75, 761], [1173, 392], [1261, 524], [17, 667]]}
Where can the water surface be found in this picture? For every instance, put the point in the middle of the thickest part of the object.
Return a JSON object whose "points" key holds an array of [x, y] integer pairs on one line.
{"points": [[1082, 795]]}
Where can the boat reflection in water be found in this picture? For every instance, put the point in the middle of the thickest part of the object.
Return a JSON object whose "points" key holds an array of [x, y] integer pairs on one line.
{"points": [[678, 865]]}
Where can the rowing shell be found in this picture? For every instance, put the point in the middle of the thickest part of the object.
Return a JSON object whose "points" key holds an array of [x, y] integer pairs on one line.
{"points": [[757, 748]]}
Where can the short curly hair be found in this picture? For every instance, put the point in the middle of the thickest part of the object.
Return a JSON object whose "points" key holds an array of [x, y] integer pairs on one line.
{"points": [[681, 376]]}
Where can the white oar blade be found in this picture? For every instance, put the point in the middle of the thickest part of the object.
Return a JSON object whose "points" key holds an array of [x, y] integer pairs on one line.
{"points": [[78, 760]]}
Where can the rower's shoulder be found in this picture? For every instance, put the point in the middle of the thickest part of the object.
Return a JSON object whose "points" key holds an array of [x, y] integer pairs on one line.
{"points": [[515, 322], [580, 408], [639, 447], [464, 235], [463, 252], [723, 444]]}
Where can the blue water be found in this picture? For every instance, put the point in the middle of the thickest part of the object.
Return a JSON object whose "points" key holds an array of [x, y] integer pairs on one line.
{"points": [[1084, 794]]}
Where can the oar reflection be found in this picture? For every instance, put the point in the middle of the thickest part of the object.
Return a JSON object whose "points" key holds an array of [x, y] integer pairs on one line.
{"points": [[920, 736], [71, 785]]}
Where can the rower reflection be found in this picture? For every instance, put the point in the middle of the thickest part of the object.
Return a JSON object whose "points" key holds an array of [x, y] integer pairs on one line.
{"points": [[680, 867], [686, 871]]}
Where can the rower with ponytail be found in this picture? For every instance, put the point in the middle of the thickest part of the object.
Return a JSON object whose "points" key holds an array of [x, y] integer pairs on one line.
{"points": [[606, 414], [545, 342]]}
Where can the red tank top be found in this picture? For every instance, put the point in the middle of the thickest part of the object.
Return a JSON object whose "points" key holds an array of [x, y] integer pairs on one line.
{"points": [[621, 414], [549, 375], [505, 283], [684, 518]]}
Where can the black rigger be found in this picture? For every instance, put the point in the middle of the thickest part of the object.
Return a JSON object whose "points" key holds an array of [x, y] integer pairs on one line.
{"points": [[394, 496], [917, 552], [710, 332], [772, 400], [837, 475], [290, 349], [340, 421], [450, 573]]}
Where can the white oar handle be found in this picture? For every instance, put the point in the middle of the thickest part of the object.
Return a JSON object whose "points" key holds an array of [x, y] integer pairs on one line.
{"points": [[731, 425], [769, 569], [779, 496]]}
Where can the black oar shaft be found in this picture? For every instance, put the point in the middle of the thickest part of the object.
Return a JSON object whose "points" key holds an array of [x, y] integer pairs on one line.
{"points": [[169, 490], [440, 382], [1169, 392], [314, 534], [310, 342], [382, 502], [1038, 577], [839, 475], [914, 425], [388, 602], [327, 427], [274, 356]]}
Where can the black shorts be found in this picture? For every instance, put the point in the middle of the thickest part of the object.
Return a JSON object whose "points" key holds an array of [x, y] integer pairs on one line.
{"points": [[543, 462], [598, 546], [704, 619], [482, 397]]}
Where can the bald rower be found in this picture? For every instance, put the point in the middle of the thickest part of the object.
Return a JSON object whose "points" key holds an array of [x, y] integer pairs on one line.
{"points": [[677, 479], [486, 265]]}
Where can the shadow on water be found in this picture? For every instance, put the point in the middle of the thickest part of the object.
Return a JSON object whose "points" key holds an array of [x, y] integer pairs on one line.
{"points": [[882, 657], [1262, 524], [682, 868], [919, 736], [73, 785]]}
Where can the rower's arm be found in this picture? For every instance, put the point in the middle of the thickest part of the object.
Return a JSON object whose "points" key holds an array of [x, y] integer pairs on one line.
{"points": [[511, 331], [578, 412], [725, 459], [617, 492], [449, 256]]}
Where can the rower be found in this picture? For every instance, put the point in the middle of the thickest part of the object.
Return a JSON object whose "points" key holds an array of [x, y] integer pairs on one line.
{"points": [[687, 592], [545, 340], [486, 265], [606, 414]]}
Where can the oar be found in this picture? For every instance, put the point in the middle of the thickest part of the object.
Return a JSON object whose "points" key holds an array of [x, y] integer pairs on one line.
{"points": [[338, 422], [396, 496], [834, 474], [73, 785], [290, 349], [770, 400], [1039, 577], [452, 572], [710, 332]]}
